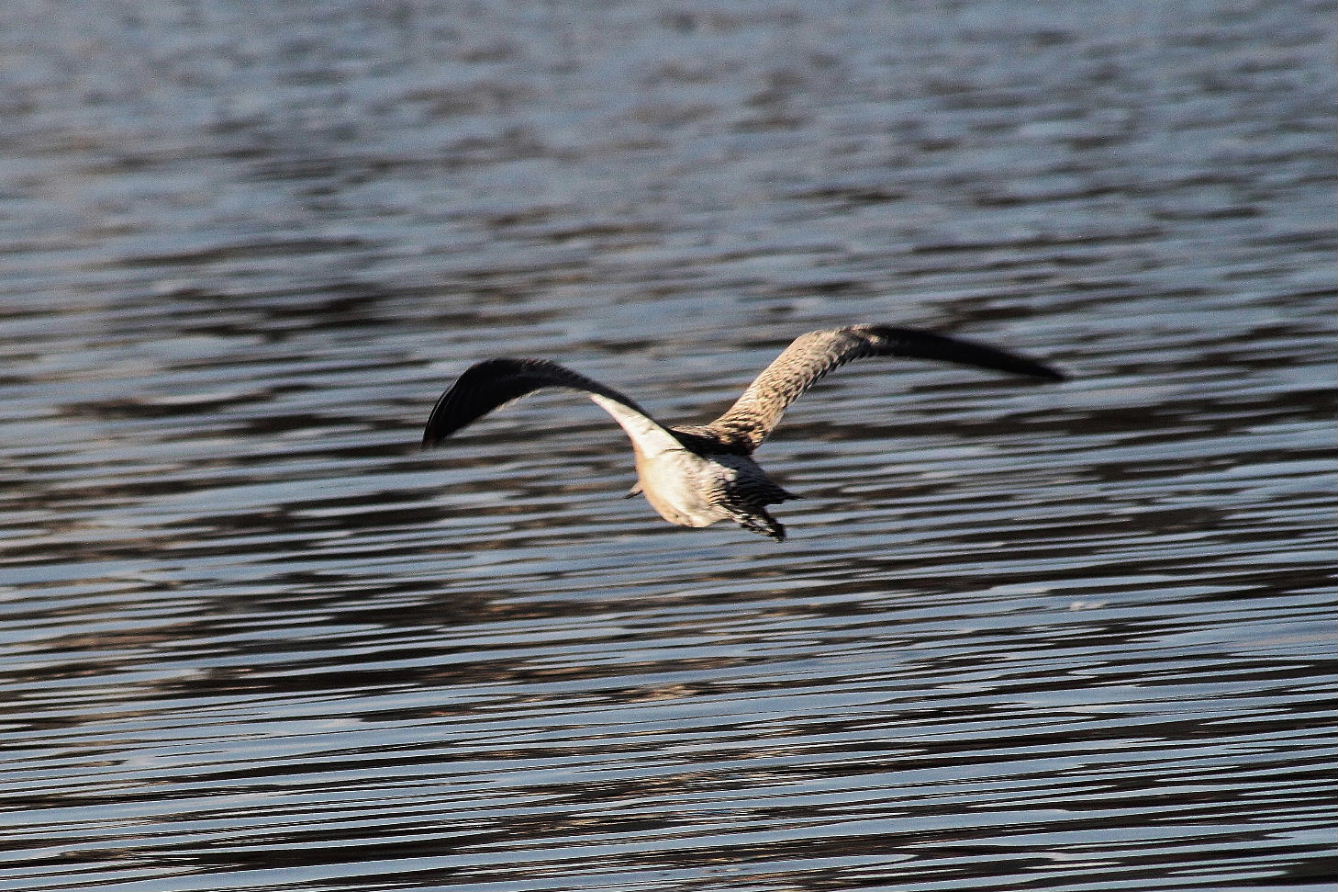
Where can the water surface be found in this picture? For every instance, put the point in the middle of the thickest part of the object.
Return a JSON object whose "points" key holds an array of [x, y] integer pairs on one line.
{"points": [[1020, 637]]}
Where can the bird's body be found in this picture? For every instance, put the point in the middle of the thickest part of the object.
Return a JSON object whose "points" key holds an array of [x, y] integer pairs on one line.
{"points": [[695, 488], [698, 475]]}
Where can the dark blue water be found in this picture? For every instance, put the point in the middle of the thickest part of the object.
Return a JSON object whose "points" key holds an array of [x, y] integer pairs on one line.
{"points": [[1020, 637]]}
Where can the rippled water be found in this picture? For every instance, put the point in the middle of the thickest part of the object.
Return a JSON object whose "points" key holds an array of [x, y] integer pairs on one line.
{"points": [[1020, 637]]}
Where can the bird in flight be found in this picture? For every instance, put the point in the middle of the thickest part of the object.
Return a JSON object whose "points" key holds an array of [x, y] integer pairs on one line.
{"points": [[697, 475]]}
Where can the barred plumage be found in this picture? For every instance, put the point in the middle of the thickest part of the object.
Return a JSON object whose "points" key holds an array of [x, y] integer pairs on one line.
{"points": [[810, 357], [697, 475]]}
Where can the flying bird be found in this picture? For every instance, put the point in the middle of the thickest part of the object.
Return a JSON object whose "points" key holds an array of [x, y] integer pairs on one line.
{"points": [[697, 475]]}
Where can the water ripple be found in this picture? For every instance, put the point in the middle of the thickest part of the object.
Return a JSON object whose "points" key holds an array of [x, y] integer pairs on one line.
{"points": [[1063, 637]]}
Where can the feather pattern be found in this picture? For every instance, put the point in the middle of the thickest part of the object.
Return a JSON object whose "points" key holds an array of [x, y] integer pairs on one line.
{"points": [[810, 357], [702, 474]]}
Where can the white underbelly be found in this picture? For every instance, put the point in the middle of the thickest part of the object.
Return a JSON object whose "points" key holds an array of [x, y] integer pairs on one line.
{"points": [[677, 483], [678, 486]]}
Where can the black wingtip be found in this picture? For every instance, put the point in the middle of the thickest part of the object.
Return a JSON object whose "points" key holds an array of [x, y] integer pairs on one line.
{"points": [[1045, 372], [918, 343], [436, 431]]}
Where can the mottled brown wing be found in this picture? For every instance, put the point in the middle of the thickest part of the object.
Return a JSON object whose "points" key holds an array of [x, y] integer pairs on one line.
{"points": [[802, 364], [493, 383]]}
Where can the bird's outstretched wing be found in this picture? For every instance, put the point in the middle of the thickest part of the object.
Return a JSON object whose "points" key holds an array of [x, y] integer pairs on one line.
{"points": [[809, 357], [493, 383]]}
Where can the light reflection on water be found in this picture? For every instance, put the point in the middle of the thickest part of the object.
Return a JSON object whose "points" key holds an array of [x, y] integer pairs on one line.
{"points": [[1020, 637]]}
